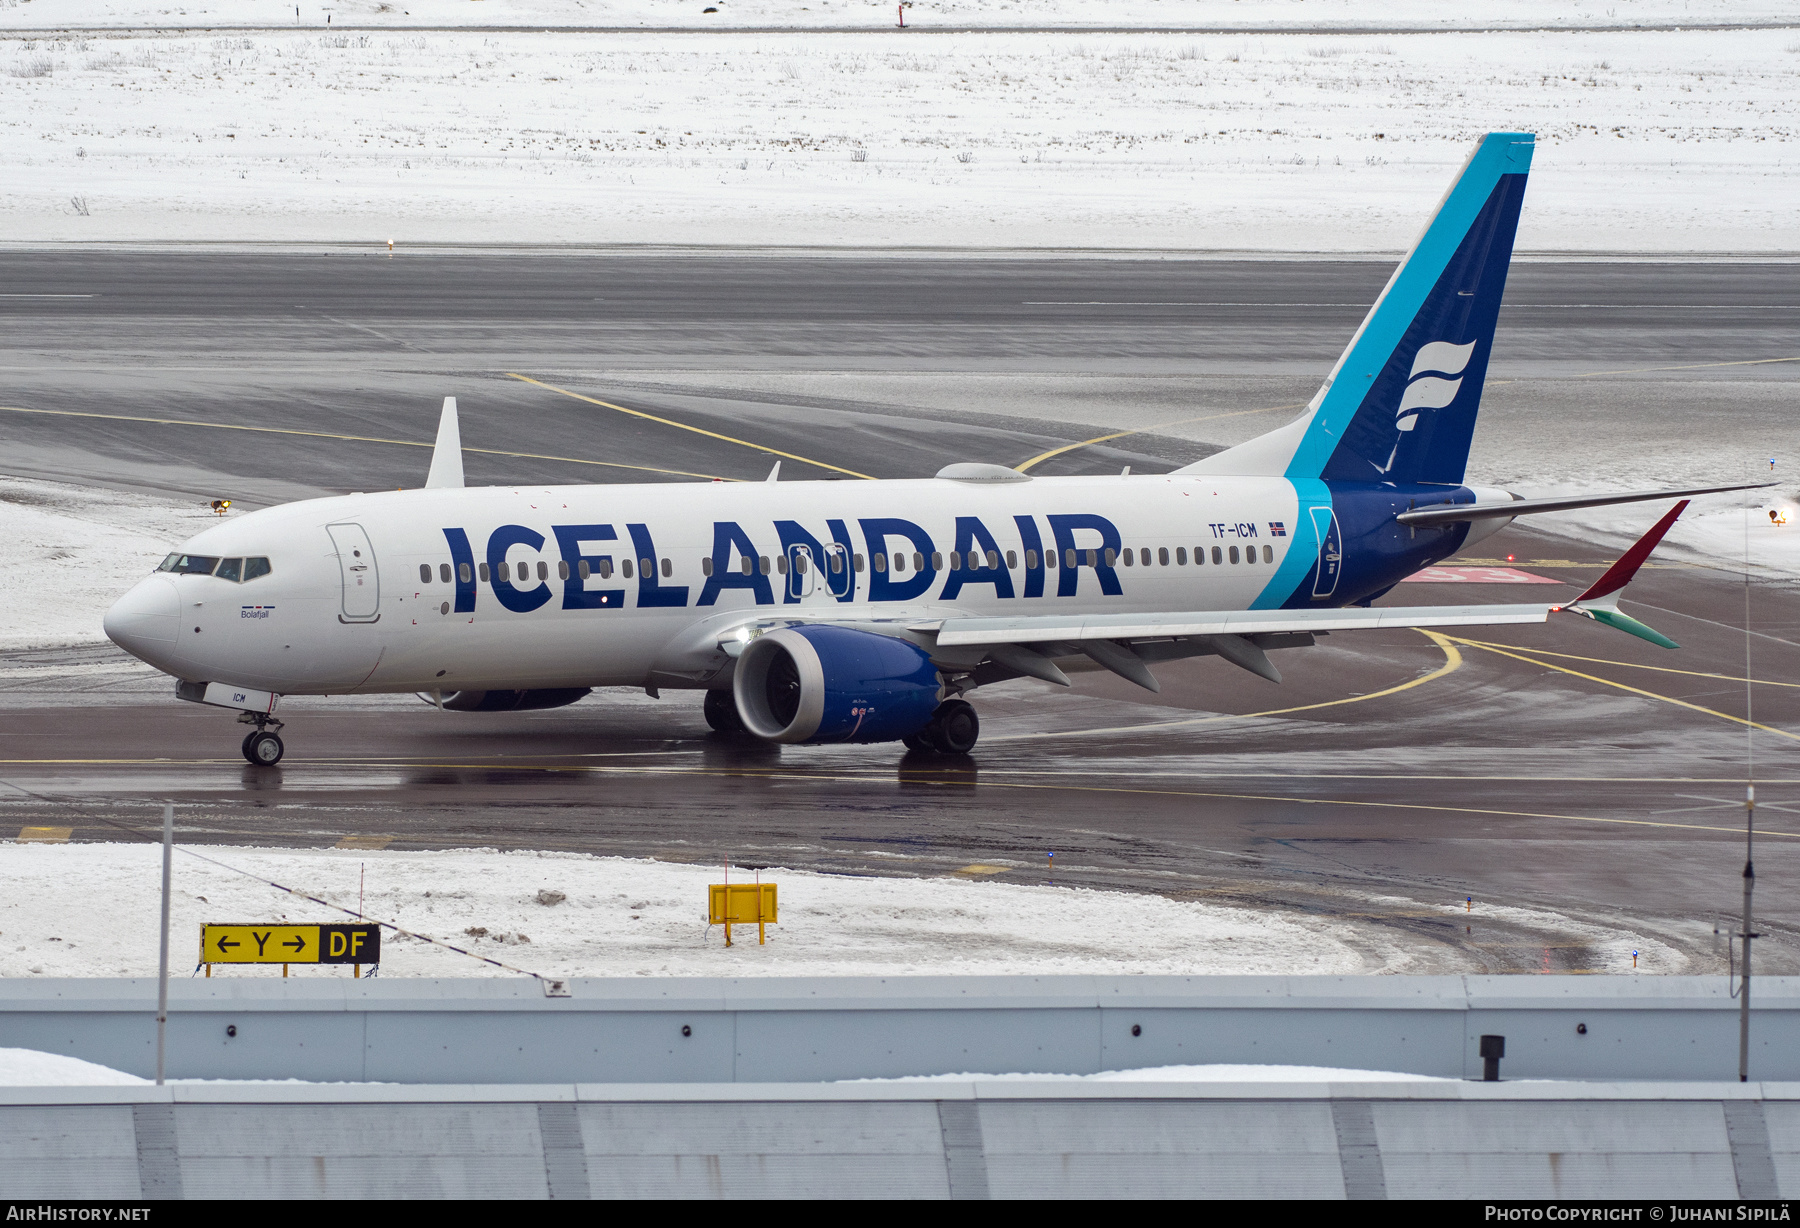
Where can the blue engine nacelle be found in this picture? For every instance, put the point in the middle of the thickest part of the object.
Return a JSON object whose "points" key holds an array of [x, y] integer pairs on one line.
{"points": [[834, 684]]}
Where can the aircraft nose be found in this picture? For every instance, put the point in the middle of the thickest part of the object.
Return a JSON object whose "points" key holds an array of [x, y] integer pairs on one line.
{"points": [[144, 621]]}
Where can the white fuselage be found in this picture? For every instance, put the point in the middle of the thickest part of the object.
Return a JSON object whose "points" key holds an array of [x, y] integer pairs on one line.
{"points": [[327, 620]]}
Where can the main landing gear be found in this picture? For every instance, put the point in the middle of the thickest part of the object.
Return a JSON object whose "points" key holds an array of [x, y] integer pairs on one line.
{"points": [[952, 730], [262, 745], [722, 712]]}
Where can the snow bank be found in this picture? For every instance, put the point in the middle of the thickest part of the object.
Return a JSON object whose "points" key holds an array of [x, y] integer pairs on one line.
{"points": [[1214, 1073], [91, 910], [1649, 141], [68, 552], [30, 1068], [875, 14]]}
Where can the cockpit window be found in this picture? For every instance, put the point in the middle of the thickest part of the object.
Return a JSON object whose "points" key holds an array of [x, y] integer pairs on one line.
{"points": [[230, 569], [255, 567], [189, 564]]}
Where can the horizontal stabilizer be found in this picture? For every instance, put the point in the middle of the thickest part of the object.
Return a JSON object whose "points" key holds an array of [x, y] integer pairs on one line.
{"points": [[1459, 513]]}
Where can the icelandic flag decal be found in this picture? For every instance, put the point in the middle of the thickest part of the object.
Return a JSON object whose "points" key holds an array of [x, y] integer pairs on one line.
{"points": [[1277, 529]]}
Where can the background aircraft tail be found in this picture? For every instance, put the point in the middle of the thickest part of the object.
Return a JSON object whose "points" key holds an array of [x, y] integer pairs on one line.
{"points": [[1400, 404]]}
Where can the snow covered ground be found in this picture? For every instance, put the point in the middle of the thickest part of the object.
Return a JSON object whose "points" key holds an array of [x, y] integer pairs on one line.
{"points": [[1649, 141], [69, 551], [876, 14], [91, 910]]}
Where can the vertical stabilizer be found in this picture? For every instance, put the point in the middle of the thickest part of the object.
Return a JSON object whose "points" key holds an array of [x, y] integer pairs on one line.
{"points": [[446, 455], [1400, 404]]}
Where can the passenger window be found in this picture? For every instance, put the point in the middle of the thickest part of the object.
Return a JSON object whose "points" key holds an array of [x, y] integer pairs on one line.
{"points": [[1128, 558], [1068, 557], [764, 560], [1268, 554], [781, 564], [582, 569], [424, 572], [462, 572], [1219, 555], [856, 562], [1162, 556], [1012, 559], [562, 569], [444, 572], [606, 568], [543, 570], [1144, 556], [625, 568], [1234, 553], [1181, 556], [1093, 558], [746, 564], [524, 572], [255, 567], [899, 562], [993, 560], [230, 569], [881, 561], [837, 563], [937, 562], [955, 560], [706, 567], [483, 569], [1031, 560]]}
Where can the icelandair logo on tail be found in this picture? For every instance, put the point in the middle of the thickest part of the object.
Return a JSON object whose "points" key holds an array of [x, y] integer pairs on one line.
{"points": [[1436, 377]]}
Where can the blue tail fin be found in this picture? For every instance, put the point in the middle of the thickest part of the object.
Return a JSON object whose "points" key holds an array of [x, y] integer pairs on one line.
{"points": [[1400, 404]]}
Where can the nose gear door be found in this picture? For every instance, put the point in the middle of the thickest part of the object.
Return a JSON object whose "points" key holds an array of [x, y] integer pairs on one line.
{"points": [[362, 580]]}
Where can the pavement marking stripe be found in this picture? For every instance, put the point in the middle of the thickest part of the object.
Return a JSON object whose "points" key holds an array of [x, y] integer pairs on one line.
{"points": [[364, 842], [1661, 669], [45, 835], [1144, 430], [1692, 366], [638, 413], [978, 869], [1679, 703], [403, 443]]}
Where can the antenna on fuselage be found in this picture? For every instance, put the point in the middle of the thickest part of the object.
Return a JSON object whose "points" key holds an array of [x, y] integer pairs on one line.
{"points": [[446, 454], [774, 474]]}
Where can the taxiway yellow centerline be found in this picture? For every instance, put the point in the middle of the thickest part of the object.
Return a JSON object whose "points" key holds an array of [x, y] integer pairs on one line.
{"points": [[1661, 669], [638, 413], [1667, 699], [403, 443], [1142, 430]]}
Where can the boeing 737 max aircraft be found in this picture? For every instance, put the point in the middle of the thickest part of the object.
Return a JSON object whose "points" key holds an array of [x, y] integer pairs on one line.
{"points": [[864, 612]]}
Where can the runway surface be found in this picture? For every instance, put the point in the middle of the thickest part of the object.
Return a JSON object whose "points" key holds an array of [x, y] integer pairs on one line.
{"points": [[1582, 794]]}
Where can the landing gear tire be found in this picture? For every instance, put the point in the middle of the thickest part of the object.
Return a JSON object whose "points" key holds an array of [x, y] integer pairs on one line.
{"points": [[721, 712], [264, 749], [917, 742], [245, 748], [954, 727]]}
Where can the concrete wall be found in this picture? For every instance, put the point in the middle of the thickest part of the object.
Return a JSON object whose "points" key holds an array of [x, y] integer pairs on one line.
{"points": [[1026, 1139], [800, 1030]]}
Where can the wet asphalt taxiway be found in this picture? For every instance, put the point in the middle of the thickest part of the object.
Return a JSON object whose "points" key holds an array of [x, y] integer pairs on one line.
{"points": [[1583, 789]]}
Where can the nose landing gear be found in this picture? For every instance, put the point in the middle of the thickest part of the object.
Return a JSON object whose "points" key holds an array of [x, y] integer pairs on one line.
{"points": [[262, 745]]}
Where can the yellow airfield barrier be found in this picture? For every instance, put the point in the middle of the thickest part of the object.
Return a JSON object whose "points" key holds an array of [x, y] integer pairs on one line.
{"points": [[741, 904]]}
